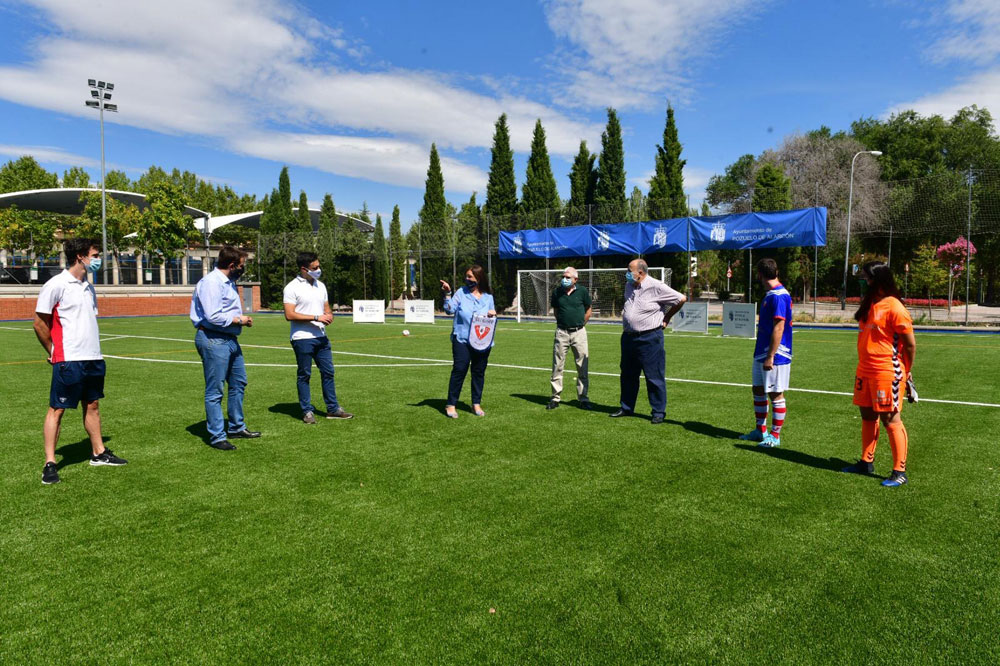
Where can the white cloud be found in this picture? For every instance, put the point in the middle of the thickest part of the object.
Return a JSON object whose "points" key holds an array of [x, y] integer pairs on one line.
{"points": [[982, 89], [261, 73], [371, 158], [974, 33], [628, 52], [49, 155], [696, 178]]}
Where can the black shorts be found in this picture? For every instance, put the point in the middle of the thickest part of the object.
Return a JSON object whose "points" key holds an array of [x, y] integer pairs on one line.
{"points": [[73, 381]]}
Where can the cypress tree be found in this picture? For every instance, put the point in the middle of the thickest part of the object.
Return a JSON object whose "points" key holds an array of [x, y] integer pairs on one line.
{"points": [[284, 201], [582, 179], [772, 188], [501, 187], [609, 195], [303, 222], [539, 193], [397, 256], [380, 268], [434, 227], [666, 188]]}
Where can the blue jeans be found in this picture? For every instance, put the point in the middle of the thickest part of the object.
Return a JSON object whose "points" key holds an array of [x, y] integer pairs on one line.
{"points": [[222, 361], [643, 353], [463, 356], [307, 351]]}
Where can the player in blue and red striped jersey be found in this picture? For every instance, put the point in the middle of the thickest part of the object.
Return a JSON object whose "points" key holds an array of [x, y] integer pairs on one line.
{"points": [[772, 357]]}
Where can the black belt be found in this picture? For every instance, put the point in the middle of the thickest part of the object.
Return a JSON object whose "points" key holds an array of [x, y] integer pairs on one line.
{"points": [[635, 334], [571, 329], [215, 332]]}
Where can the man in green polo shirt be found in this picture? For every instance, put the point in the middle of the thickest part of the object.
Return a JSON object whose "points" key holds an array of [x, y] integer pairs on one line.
{"points": [[572, 306]]}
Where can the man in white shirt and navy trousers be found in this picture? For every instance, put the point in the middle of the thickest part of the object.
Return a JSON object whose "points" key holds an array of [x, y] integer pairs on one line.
{"points": [[66, 326], [307, 307]]}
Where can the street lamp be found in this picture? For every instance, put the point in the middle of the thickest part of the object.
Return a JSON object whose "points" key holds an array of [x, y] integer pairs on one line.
{"points": [[100, 94], [847, 250]]}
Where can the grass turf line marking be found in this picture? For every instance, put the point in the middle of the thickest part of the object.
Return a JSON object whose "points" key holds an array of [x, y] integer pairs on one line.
{"points": [[432, 362], [274, 365]]}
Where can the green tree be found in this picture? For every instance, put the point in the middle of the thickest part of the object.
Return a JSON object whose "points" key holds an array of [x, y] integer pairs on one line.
{"points": [[76, 177], [164, 227], [380, 267], [666, 187], [772, 189], [118, 180], [435, 227], [637, 206], [25, 173], [927, 275], [732, 190], [539, 196], [27, 230], [582, 183], [397, 256], [609, 195], [501, 186], [303, 221]]}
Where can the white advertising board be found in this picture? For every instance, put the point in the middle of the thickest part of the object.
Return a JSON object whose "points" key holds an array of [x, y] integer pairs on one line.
{"points": [[418, 312], [369, 312], [692, 317], [739, 320]]}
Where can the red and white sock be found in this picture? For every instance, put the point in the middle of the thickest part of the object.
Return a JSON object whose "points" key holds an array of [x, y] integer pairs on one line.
{"points": [[760, 411], [777, 417]]}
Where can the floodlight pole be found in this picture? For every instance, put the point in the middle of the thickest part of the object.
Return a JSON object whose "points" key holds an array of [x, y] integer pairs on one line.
{"points": [[104, 197], [847, 249]]}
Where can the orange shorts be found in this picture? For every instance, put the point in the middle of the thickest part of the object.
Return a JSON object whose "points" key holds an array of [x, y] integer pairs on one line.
{"points": [[881, 394]]}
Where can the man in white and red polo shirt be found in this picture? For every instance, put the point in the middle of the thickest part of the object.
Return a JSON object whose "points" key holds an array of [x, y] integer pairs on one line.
{"points": [[66, 326]]}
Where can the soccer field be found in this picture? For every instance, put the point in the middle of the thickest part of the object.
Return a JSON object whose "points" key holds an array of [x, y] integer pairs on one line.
{"points": [[528, 535]]}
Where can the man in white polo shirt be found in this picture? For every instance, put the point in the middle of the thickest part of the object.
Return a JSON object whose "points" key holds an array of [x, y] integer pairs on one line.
{"points": [[308, 309], [66, 326]]}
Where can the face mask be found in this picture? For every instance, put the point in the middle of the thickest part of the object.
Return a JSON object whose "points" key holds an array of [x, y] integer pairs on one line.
{"points": [[235, 273], [315, 274], [94, 265], [471, 284], [629, 277], [567, 282]]}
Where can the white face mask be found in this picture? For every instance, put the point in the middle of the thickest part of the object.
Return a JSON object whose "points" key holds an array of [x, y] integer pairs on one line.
{"points": [[315, 274]]}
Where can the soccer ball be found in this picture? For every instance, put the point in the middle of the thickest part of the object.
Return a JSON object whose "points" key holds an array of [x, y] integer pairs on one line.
{"points": [[406, 331]]}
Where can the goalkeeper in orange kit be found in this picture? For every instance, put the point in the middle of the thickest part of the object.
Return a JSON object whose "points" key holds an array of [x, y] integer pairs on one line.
{"points": [[886, 348]]}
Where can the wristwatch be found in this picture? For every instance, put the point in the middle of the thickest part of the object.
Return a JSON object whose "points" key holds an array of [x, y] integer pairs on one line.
{"points": [[315, 317]]}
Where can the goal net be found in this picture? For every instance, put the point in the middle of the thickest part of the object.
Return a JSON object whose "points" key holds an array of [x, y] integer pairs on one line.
{"points": [[606, 286]]}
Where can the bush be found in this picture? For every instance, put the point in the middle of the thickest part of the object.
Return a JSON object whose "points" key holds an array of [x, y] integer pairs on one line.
{"points": [[724, 295]]}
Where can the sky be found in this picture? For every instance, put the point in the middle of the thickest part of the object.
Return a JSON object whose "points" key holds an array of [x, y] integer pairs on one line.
{"points": [[351, 95]]}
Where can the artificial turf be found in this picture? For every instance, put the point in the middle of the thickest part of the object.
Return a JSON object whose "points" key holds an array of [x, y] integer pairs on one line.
{"points": [[525, 536]]}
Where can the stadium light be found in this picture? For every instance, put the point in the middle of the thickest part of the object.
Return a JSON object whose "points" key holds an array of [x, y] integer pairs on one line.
{"points": [[100, 102], [847, 249]]}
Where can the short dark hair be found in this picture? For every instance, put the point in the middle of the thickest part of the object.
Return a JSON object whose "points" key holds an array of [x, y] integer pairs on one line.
{"points": [[767, 268], [229, 256], [303, 259], [74, 248]]}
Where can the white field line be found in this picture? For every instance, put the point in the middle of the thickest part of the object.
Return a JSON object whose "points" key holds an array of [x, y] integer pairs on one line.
{"points": [[444, 362], [282, 365]]}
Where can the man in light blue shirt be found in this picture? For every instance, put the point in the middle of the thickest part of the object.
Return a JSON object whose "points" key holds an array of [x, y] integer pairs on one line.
{"points": [[217, 315]]}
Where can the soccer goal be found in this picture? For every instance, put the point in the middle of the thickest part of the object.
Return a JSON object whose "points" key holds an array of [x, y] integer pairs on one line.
{"points": [[606, 286]]}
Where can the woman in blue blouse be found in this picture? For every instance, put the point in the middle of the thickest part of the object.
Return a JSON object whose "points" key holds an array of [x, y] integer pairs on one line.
{"points": [[475, 297]]}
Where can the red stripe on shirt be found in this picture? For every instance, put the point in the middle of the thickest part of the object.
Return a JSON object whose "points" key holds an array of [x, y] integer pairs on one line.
{"points": [[58, 355]]}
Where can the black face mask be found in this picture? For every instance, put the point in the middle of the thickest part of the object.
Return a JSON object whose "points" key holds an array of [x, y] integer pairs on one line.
{"points": [[236, 273], [471, 284]]}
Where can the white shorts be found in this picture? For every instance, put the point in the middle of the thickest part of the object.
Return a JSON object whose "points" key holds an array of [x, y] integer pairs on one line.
{"points": [[774, 380]]}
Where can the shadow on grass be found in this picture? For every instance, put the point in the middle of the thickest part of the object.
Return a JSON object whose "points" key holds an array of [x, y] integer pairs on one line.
{"points": [[438, 404], [288, 409], [76, 453], [200, 429], [706, 429], [544, 400], [799, 458]]}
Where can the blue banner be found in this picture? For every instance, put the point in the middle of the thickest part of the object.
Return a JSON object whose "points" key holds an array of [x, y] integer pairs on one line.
{"points": [[791, 228]]}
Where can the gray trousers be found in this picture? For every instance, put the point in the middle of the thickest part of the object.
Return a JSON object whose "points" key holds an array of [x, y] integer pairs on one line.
{"points": [[577, 341]]}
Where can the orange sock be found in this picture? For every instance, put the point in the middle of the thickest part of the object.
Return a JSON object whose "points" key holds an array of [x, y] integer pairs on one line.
{"points": [[900, 442], [869, 440]]}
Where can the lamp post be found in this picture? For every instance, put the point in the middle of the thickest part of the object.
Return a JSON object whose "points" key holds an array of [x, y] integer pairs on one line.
{"points": [[100, 93], [847, 249]]}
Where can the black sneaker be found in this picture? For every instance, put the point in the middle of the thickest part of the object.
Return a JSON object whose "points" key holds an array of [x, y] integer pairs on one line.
{"points": [[244, 434], [656, 420], [224, 445], [50, 474], [107, 458], [860, 467], [552, 404], [586, 405], [620, 413]]}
